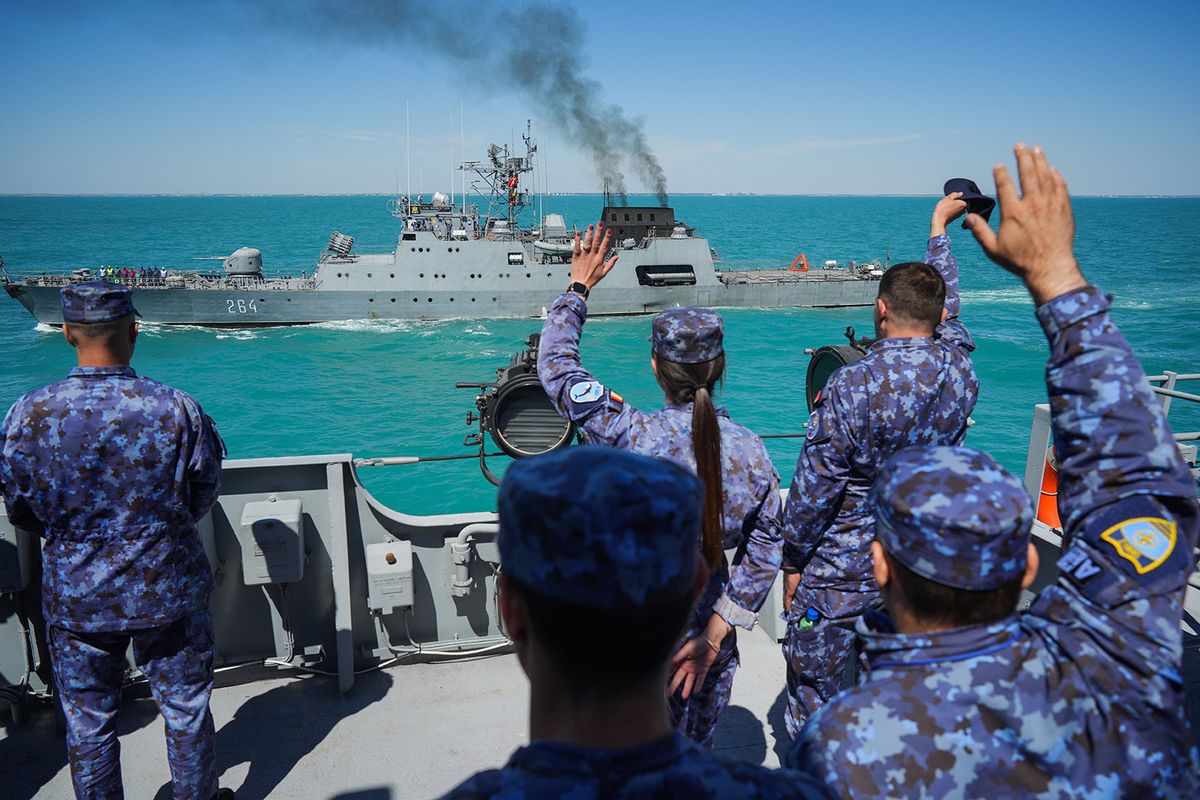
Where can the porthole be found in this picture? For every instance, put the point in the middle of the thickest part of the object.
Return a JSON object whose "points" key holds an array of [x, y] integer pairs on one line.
{"points": [[339, 274], [456, 249], [421, 275], [449, 249], [289, 299], [549, 275], [413, 249], [262, 299], [414, 299], [392, 275], [527, 275], [451, 299], [429, 299], [393, 299], [368, 274], [493, 299], [370, 299], [472, 299]]}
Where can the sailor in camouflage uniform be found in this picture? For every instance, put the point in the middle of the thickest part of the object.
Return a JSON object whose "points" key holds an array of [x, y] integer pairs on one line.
{"points": [[1081, 695], [747, 495], [114, 470], [600, 571], [916, 385]]}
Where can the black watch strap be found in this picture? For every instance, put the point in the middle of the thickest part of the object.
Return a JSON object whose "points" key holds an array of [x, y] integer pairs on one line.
{"points": [[579, 289]]}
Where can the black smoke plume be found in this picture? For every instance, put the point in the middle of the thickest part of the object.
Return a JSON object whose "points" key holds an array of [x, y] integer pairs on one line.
{"points": [[533, 47]]}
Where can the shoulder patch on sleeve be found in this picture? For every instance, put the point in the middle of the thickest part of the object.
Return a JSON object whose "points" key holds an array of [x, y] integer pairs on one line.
{"points": [[1145, 542], [586, 392]]}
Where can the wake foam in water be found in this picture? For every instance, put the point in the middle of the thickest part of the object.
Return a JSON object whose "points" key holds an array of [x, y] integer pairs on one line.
{"points": [[46, 327], [238, 334], [383, 326], [1014, 295]]}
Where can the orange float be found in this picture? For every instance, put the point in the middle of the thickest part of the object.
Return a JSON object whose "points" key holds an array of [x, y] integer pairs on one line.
{"points": [[800, 259], [1047, 510]]}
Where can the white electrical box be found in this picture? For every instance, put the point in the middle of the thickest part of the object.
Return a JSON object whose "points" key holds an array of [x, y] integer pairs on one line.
{"points": [[389, 576], [272, 539], [16, 555]]}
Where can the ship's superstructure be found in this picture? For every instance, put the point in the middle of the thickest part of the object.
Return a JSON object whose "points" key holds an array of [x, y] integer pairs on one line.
{"points": [[471, 259]]}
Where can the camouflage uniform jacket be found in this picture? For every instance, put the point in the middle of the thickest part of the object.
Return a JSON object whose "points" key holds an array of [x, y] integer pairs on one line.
{"points": [[752, 503], [905, 391], [1081, 695], [113, 470], [670, 768]]}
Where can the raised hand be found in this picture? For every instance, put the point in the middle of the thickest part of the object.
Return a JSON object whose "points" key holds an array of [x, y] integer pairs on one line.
{"points": [[948, 209], [589, 264], [1037, 230]]}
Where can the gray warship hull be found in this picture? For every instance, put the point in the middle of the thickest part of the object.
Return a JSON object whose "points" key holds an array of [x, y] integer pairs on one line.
{"points": [[430, 277]]}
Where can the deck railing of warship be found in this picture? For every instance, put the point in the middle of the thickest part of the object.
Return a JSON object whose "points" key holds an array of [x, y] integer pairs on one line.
{"points": [[187, 280]]}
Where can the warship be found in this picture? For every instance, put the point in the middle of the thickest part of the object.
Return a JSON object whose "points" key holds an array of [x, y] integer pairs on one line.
{"points": [[469, 259]]}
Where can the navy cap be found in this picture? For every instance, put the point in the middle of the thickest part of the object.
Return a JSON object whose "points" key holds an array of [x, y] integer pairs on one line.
{"points": [[688, 335], [954, 516], [96, 301], [601, 527], [977, 202]]}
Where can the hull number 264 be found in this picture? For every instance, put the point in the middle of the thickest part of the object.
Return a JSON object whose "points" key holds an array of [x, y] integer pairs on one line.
{"points": [[242, 307]]}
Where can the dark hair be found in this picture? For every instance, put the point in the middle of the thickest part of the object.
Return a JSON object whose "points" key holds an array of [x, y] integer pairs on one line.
{"points": [[693, 383], [955, 608], [914, 292], [633, 645], [101, 331]]}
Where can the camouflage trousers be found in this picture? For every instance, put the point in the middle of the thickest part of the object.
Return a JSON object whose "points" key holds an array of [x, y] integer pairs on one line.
{"points": [[697, 716], [821, 661], [177, 660]]}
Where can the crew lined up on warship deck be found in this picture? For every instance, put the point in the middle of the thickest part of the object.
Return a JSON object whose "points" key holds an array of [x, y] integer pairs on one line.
{"points": [[962, 694]]}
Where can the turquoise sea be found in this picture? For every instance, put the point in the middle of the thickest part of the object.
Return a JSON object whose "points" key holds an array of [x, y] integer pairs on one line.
{"points": [[384, 389]]}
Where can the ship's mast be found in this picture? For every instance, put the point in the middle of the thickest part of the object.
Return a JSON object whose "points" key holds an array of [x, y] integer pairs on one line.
{"points": [[500, 177], [462, 151], [407, 149]]}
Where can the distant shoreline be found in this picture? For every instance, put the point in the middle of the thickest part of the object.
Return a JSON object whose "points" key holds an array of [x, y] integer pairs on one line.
{"points": [[185, 195]]}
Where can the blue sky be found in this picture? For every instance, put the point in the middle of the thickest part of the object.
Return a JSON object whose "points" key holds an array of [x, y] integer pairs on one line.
{"points": [[796, 98]]}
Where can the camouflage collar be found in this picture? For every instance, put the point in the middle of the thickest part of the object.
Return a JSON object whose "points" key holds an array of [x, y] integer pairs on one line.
{"points": [[902, 341], [669, 406], [124, 371], [558, 759], [886, 648]]}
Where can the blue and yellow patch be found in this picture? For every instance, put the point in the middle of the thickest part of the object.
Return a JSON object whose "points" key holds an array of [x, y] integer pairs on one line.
{"points": [[1145, 542]]}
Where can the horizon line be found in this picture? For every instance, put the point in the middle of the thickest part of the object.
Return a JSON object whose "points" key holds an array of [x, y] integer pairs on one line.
{"points": [[1142, 196]]}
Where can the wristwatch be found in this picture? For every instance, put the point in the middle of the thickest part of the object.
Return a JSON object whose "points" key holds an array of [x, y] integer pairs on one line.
{"points": [[579, 289]]}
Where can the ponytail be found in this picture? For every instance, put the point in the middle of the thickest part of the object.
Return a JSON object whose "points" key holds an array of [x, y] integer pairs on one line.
{"points": [[706, 443], [694, 383]]}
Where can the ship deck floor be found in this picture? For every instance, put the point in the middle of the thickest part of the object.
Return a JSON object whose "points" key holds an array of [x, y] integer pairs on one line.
{"points": [[408, 731], [411, 731]]}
